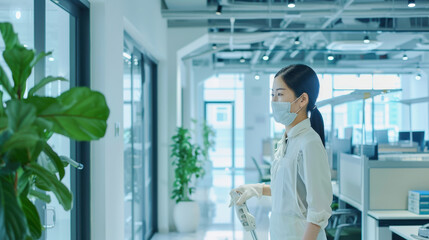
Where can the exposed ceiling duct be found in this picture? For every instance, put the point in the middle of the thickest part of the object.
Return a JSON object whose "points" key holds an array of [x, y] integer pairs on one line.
{"points": [[264, 31]]}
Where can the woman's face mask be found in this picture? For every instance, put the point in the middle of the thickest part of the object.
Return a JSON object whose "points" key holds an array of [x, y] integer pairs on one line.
{"points": [[282, 113]]}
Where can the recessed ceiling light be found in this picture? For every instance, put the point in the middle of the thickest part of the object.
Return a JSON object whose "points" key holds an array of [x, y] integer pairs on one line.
{"points": [[331, 57], [51, 59], [219, 10], [418, 76], [366, 39], [297, 42], [405, 57], [257, 77], [411, 3], [291, 4], [242, 60], [265, 58], [18, 15]]}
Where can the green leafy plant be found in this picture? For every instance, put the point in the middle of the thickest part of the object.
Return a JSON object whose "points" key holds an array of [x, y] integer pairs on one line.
{"points": [[208, 140], [29, 167], [187, 164]]}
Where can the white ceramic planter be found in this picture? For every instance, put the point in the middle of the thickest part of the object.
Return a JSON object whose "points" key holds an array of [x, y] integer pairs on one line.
{"points": [[187, 216]]}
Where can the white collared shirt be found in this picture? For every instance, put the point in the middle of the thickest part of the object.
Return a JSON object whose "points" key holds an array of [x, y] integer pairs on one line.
{"points": [[301, 187]]}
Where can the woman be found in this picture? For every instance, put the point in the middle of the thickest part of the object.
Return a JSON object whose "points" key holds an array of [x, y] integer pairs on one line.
{"points": [[300, 175]]}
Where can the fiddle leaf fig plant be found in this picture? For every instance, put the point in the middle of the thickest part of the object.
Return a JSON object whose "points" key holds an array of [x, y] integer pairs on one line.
{"points": [[187, 164], [29, 166]]}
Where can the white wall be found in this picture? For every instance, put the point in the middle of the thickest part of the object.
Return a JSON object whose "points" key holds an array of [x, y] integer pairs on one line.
{"points": [[107, 208], [256, 116], [143, 21]]}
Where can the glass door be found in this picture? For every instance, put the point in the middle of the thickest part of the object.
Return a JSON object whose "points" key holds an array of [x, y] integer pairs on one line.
{"points": [[220, 115], [149, 119], [57, 221], [139, 143], [133, 145]]}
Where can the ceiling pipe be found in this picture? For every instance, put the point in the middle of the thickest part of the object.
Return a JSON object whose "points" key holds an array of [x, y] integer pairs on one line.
{"points": [[325, 25], [231, 39], [309, 6]]}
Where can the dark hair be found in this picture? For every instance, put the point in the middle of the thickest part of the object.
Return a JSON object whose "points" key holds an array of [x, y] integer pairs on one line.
{"points": [[302, 79]]}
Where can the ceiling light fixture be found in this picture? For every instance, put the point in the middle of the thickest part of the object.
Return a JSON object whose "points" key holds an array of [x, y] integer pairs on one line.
{"points": [[51, 59], [265, 58], [331, 57], [242, 60], [405, 57], [291, 3], [366, 39], [219, 10], [297, 42], [257, 77], [418, 76], [18, 15], [411, 3]]}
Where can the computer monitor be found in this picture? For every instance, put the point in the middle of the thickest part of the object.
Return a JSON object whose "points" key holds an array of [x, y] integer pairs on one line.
{"points": [[382, 136], [348, 133], [340, 146], [418, 137]]}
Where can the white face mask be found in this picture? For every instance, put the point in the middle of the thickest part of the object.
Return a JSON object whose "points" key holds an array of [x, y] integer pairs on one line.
{"points": [[282, 114]]}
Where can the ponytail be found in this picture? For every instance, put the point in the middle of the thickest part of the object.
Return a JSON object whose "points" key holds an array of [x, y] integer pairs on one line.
{"points": [[316, 120]]}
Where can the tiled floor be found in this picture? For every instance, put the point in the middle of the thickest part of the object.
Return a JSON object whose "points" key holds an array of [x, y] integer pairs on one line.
{"points": [[218, 222]]}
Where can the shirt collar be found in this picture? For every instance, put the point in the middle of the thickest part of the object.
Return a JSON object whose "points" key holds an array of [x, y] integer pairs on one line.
{"points": [[299, 128]]}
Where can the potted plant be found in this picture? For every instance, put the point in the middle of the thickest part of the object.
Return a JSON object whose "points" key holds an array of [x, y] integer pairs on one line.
{"points": [[29, 167], [188, 166]]}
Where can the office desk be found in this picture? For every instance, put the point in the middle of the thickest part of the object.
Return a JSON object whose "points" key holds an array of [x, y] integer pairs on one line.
{"points": [[405, 231], [381, 222]]}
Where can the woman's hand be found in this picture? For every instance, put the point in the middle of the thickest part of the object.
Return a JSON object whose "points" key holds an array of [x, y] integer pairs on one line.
{"points": [[247, 191]]}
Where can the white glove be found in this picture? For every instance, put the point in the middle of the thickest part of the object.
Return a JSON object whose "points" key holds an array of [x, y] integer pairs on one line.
{"points": [[247, 191]]}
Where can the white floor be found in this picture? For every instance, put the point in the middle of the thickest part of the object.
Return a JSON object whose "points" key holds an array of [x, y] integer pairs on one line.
{"points": [[218, 222]]}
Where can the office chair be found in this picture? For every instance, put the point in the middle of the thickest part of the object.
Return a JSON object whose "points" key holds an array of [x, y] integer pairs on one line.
{"points": [[344, 224], [262, 177]]}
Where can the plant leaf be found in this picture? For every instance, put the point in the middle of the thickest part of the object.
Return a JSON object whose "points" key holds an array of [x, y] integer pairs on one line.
{"points": [[4, 81], [19, 59], [78, 113], [10, 38], [12, 219], [40, 195], [39, 57], [32, 216], [23, 139], [53, 156], [51, 182], [20, 114], [42, 83]]}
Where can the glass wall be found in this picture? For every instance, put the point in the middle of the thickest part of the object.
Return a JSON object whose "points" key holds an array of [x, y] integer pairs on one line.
{"points": [[139, 144], [229, 120], [57, 220], [386, 114], [52, 26], [21, 14]]}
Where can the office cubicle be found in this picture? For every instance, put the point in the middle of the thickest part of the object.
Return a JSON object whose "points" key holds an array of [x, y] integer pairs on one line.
{"points": [[377, 187]]}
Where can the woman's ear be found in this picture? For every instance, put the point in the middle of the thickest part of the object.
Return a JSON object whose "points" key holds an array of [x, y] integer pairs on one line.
{"points": [[304, 100]]}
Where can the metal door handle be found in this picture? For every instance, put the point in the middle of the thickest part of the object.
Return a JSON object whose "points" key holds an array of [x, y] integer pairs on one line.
{"points": [[54, 217]]}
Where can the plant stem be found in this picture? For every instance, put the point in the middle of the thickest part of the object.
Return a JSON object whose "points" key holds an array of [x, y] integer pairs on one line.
{"points": [[185, 192]]}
